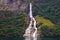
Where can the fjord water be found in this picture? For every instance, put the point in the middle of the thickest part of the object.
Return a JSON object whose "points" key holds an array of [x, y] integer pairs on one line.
{"points": [[22, 38]]}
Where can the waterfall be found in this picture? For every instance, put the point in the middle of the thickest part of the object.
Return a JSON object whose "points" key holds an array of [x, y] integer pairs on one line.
{"points": [[31, 31]]}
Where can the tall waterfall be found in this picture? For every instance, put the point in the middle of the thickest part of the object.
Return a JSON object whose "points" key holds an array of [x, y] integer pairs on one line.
{"points": [[31, 31]]}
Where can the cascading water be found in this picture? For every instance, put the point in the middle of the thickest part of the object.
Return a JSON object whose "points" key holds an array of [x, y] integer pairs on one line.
{"points": [[31, 31]]}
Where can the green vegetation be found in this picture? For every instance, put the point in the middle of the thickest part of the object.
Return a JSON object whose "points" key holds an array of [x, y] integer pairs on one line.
{"points": [[47, 28], [12, 25], [47, 15], [46, 12]]}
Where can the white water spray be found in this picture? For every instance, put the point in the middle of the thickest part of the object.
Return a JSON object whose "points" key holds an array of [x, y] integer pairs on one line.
{"points": [[29, 31]]}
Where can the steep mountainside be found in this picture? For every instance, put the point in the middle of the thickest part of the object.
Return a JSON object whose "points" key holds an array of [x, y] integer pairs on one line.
{"points": [[14, 18]]}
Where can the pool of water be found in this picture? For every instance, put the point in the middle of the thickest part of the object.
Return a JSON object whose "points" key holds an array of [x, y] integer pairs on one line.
{"points": [[22, 38]]}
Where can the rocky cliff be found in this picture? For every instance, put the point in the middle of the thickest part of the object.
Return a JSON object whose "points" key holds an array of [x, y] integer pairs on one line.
{"points": [[12, 5]]}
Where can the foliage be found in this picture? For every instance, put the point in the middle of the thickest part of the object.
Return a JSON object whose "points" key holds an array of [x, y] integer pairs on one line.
{"points": [[46, 12], [53, 32], [44, 21], [13, 25], [47, 15], [46, 27], [48, 9]]}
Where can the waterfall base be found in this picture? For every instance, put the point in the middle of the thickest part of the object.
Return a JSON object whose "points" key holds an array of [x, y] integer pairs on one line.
{"points": [[27, 35], [30, 38], [30, 35], [30, 32]]}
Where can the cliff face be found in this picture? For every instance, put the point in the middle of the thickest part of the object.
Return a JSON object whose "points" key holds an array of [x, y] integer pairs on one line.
{"points": [[12, 5]]}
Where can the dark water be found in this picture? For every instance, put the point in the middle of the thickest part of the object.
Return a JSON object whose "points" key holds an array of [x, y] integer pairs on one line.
{"points": [[21, 38]]}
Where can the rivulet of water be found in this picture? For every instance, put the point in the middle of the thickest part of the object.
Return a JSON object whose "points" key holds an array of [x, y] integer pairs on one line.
{"points": [[31, 31]]}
